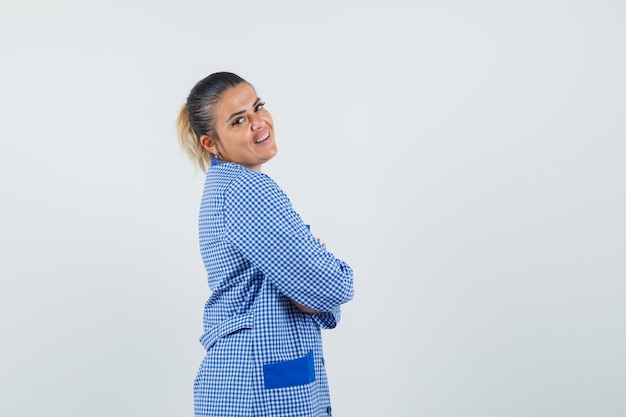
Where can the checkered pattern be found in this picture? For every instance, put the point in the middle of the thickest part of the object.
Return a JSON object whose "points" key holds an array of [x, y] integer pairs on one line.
{"points": [[258, 255]]}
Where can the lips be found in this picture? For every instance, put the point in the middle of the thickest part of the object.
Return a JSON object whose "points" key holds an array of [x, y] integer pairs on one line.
{"points": [[263, 138]]}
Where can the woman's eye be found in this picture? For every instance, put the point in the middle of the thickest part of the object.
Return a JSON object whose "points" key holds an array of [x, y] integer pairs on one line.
{"points": [[238, 121], [260, 106]]}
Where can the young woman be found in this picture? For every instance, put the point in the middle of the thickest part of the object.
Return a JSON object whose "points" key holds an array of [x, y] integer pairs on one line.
{"points": [[273, 284]]}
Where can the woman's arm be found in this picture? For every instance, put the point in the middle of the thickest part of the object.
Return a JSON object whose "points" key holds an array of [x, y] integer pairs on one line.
{"points": [[263, 226], [303, 308]]}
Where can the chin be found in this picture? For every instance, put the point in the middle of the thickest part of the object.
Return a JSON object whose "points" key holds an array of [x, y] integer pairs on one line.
{"points": [[272, 154]]}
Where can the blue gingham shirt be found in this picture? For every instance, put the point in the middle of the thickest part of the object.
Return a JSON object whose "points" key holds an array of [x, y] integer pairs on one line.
{"points": [[264, 356]]}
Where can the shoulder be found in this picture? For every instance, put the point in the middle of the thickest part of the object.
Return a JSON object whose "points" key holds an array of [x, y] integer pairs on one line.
{"points": [[248, 182], [248, 190], [237, 184], [227, 178]]}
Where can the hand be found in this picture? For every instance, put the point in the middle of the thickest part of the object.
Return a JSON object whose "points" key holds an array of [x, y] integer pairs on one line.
{"points": [[303, 308]]}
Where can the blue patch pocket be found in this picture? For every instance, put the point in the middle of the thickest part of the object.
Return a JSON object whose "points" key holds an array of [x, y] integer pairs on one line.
{"points": [[290, 373]]}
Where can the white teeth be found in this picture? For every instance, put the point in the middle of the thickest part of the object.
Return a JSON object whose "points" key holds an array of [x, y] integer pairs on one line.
{"points": [[262, 138]]}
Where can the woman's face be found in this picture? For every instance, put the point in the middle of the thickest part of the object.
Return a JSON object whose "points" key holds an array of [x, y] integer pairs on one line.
{"points": [[245, 130]]}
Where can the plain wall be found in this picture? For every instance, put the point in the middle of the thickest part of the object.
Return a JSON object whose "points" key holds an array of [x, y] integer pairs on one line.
{"points": [[466, 158]]}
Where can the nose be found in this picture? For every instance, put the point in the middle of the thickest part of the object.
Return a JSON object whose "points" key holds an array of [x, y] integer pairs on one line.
{"points": [[257, 122]]}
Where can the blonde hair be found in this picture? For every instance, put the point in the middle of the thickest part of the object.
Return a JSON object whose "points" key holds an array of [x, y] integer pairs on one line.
{"points": [[190, 143], [196, 117]]}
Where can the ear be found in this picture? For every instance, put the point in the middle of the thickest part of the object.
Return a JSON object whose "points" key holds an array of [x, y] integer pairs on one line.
{"points": [[208, 143]]}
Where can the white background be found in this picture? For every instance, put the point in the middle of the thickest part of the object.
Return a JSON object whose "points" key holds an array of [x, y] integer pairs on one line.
{"points": [[467, 159]]}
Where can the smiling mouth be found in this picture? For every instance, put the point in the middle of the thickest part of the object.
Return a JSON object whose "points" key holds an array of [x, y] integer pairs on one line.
{"points": [[263, 138]]}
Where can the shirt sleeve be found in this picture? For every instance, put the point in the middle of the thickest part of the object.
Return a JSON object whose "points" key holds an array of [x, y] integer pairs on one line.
{"points": [[262, 225], [328, 320]]}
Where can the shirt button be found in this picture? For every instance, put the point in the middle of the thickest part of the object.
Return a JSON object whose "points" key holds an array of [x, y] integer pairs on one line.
{"points": [[328, 410], [323, 362]]}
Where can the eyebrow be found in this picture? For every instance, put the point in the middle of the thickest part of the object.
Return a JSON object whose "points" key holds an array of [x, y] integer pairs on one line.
{"points": [[240, 112]]}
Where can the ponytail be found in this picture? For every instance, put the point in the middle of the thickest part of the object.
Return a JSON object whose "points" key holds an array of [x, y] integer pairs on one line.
{"points": [[190, 142]]}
